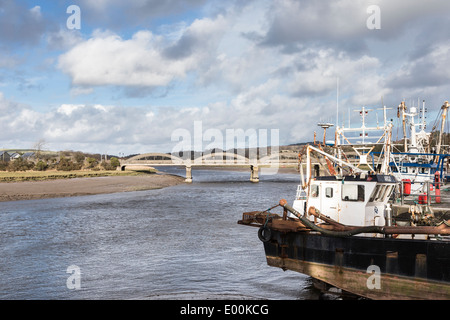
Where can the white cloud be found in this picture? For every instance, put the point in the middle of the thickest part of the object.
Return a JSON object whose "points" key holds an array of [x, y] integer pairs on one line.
{"points": [[36, 12], [342, 24], [93, 128], [68, 109], [111, 60], [145, 60], [319, 71], [429, 70]]}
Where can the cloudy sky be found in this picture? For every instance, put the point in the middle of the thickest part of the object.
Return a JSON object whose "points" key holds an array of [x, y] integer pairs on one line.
{"points": [[131, 73]]}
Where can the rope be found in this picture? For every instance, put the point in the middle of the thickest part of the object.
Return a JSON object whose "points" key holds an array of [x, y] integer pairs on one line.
{"points": [[264, 233], [267, 220], [266, 211]]}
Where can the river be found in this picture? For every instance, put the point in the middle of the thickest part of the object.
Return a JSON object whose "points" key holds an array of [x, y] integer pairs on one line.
{"points": [[181, 242]]}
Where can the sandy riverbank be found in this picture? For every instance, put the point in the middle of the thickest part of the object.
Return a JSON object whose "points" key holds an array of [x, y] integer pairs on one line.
{"points": [[28, 190]]}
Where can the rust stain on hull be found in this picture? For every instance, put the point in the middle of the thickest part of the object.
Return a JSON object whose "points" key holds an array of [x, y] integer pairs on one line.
{"points": [[355, 281]]}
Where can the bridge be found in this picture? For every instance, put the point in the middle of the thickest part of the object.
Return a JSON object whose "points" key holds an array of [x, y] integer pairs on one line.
{"points": [[216, 159]]}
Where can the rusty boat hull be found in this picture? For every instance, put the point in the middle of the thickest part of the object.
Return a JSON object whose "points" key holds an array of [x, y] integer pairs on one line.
{"points": [[375, 268], [379, 267]]}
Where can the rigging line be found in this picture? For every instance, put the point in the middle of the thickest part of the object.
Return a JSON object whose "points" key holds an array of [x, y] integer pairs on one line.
{"points": [[446, 136], [436, 120]]}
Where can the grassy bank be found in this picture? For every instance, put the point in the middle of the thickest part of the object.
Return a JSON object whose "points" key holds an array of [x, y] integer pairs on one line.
{"points": [[52, 175]]}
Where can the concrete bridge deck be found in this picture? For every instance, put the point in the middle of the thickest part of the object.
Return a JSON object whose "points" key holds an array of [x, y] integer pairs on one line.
{"points": [[275, 160]]}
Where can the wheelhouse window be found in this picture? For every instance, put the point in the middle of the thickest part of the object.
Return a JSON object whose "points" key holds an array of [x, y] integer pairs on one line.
{"points": [[353, 192], [329, 192], [381, 193], [314, 191]]}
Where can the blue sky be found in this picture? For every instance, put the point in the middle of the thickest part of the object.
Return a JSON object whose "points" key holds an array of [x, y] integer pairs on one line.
{"points": [[139, 70]]}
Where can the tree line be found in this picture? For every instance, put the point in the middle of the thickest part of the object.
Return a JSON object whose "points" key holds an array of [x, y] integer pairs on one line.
{"points": [[62, 161]]}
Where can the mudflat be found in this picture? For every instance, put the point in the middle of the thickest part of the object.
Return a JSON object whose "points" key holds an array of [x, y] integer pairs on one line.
{"points": [[27, 190]]}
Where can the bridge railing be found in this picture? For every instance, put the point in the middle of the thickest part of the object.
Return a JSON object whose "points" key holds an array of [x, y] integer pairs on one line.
{"points": [[221, 158]]}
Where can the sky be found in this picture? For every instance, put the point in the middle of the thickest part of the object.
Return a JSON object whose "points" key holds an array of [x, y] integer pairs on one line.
{"points": [[126, 77]]}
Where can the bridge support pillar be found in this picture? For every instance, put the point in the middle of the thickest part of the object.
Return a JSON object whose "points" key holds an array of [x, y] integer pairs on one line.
{"points": [[254, 174], [188, 174]]}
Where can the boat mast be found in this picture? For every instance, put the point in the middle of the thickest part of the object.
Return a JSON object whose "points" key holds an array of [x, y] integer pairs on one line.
{"points": [[337, 102], [363, 114], [337, 137], [402, 108], [444, 115], [424, 123], [387, 149], [412, 124]]}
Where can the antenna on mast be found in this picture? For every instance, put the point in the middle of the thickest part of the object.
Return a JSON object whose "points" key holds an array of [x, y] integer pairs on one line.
{"points": [[424, 121]]}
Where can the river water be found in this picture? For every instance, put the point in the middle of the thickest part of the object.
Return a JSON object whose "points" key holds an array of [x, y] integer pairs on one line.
{"points": [[181, 242]]}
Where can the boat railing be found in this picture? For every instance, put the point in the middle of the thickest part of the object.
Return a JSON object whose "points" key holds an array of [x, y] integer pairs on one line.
{"points": [[431, 194], [300, 194]]}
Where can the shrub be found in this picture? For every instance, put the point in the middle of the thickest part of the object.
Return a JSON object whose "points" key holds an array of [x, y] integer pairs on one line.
{"points": [[3, 165], [111, 165], [20, 165], [41, 166], [114, 162], [92, 162], [66, 164], [106, 165]]}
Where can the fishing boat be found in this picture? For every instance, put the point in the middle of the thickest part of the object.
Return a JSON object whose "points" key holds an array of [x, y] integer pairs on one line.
{"points": [[342, 232], [417, 165]]}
